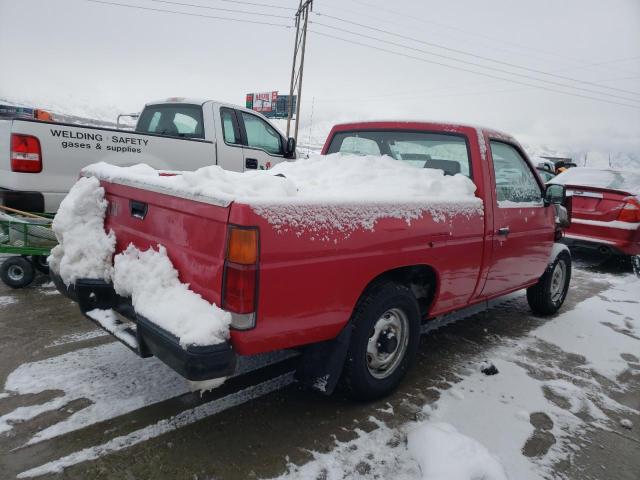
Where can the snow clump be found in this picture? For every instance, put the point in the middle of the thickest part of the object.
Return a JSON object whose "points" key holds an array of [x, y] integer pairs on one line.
{"points": [[444, 453], [84, 249], [152, 282]]}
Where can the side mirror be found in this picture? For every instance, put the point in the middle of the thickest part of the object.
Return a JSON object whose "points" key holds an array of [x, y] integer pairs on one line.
{"points": [[290, 149], [555, 194]]}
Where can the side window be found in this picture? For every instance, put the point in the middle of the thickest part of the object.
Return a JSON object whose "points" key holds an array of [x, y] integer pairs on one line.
{"points": [[187, 125], [228, 126], [153, 123], [261, 135], [515, 182]]}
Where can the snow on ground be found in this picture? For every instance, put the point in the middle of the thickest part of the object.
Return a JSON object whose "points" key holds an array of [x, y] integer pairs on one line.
{"points": [[488, 426], [77, 337], [84, 249], [113, 379], [7, 300], [434, 445], [180, 420]]}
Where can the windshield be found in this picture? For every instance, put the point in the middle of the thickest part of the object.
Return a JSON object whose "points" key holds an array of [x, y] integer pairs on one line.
{"points": [[610, 179], [174, 120], [446, 152]]}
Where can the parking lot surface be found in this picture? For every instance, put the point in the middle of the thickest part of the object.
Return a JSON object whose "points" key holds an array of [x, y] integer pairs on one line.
{"points": [[565, 402]]}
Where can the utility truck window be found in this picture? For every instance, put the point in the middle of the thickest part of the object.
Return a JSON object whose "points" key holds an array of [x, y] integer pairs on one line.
{"points": [[173, 120], [515, 181], [261, 135], [448, 153], [228, 128]]}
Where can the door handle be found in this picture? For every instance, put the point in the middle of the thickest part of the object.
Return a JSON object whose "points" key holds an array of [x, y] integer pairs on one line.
{"points": [[251, 163], [503, 231], [138, 209]]}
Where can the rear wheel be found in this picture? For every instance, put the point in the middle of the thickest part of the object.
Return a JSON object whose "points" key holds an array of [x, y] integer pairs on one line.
{"points": [[17, 272], [384, 341], [547, 296]]}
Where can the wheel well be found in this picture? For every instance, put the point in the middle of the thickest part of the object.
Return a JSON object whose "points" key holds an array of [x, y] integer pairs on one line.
{"points": [[421, 279]]}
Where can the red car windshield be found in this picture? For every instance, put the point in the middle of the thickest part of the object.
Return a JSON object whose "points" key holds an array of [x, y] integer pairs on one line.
{"points": [[608, 179]]}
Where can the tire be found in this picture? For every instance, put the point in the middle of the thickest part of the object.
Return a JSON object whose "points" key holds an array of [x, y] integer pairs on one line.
{"points": [[390, 313], [41, 264], [17, 272], [547, 296]]}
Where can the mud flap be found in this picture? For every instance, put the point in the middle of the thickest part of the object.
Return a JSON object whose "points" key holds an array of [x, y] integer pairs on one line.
{"points": [[321, 364]]}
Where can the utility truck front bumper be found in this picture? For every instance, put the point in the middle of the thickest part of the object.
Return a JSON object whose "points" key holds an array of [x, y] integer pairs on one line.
{"points": [[100, 303]]}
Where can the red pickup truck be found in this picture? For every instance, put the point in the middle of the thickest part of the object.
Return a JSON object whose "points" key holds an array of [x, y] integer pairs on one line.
{"points": [[353, 304]]}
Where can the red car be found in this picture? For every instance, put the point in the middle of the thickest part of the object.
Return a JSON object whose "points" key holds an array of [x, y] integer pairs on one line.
{"points": [[352, 301], [605, 209]]}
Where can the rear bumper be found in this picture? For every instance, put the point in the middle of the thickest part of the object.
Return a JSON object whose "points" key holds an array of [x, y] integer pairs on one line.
{"points": [[146, 338], [618, 241], [26, 201]]}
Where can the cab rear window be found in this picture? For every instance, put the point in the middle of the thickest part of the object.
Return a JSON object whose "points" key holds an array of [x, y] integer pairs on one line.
{"points": [[173, 120], [446, 152]]}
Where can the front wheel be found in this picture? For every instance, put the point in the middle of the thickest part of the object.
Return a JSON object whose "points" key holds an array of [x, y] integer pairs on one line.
{"points": [[17, 272], [384, 341], [547, 296]]}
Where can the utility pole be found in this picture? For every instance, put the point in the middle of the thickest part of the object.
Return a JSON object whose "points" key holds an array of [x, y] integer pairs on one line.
{"points": [[297, 68]]}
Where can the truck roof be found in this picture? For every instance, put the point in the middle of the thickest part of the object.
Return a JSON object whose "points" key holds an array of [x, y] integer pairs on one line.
{"points": [[202, 101], [416, 125]]}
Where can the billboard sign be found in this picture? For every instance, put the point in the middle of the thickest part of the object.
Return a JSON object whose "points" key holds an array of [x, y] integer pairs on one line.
{"points": [[270, 104], [262, 102]]}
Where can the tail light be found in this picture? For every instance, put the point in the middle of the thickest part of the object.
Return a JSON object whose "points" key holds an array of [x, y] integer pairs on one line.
{"points": [[240, 278], [26, 156], [630, 211]]}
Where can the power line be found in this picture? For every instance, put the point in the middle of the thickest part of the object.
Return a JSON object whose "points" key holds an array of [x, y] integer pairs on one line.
{"points": [[515, 48], [233, 10], [238, 20], [256, 4], [541, 87], [495, 69], [462, 52], [480, 35]]}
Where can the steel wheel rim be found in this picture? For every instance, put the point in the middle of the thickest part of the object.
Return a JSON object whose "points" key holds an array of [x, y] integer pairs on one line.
{"points": [[387, 343], [15, 273], [557, 281]]}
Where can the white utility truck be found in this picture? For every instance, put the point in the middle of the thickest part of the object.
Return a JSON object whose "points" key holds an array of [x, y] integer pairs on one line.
{"points": [[41, 160]]}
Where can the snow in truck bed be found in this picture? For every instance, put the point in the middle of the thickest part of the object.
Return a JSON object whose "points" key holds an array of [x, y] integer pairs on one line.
{"points": [[321, 194]]}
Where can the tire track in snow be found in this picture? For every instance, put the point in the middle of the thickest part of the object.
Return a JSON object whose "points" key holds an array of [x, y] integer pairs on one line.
{"points": [[110, 376], [163, 426]]}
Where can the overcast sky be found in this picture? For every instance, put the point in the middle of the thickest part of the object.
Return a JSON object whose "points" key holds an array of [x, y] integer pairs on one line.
{"points": [[97, 59]]}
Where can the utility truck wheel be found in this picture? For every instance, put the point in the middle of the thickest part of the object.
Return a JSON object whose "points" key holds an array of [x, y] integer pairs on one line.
{"points": [[547, 296], [384, 341], [17, 272], [41, 264]]}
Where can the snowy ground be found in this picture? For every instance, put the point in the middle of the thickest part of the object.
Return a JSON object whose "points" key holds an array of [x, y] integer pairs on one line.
{"points": [[565, 402]]}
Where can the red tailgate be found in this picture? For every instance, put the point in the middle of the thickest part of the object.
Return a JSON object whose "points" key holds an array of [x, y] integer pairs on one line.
{"points": [[193, 232]]}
